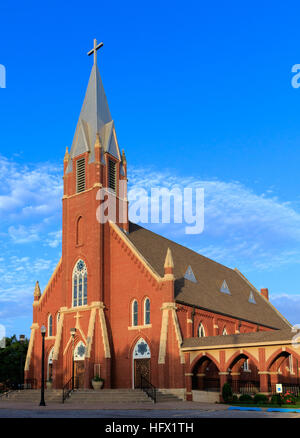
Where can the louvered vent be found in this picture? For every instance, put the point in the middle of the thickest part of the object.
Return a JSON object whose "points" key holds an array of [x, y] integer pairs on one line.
{"points": [[80, 175], [112, 183]]}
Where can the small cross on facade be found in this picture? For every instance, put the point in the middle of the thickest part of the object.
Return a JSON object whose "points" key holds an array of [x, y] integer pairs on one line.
{"points": [[94, 50]]}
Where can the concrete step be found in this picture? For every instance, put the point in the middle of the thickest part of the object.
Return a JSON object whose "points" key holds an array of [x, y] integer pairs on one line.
{"points": [[166, 397], [33, 396], [108, 396]]}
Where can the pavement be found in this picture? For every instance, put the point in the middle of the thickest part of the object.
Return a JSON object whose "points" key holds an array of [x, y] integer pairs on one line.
{"points": [[133, 410]]}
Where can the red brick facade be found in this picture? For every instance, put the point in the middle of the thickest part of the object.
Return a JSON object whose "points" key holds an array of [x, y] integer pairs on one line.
{"points": [[118, 275]]}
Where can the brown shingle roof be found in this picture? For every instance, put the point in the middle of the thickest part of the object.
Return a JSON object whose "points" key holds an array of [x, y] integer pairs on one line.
{"points": [[210, 275], [240, 339]]}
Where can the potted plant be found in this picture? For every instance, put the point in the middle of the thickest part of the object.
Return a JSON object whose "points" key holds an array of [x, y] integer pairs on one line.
{"points": [[49, 383], [97, 382]]}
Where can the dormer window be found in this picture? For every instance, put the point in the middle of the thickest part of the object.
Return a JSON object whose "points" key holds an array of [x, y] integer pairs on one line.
{"points": [[224, 288], [80, 175], [251, 298], [189, 275]]}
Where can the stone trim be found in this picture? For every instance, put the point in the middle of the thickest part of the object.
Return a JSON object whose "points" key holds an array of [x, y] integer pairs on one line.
{"points": [[58, 335], [163, 336], [107, 354], [139, 327], [178, 334], [85, 191], [33, 328], [91, 331]]}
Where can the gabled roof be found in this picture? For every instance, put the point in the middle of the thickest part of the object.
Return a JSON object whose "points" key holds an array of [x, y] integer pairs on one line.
{"points": [[210, 276], [95, 118]]}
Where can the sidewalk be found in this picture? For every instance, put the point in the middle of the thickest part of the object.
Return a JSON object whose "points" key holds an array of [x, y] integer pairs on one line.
{"points": [[184, 405]]}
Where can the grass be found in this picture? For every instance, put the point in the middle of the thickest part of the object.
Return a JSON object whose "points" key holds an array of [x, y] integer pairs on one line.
{"points": [[266, 405]]}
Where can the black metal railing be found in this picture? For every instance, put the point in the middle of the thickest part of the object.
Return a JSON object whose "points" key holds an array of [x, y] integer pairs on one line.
{"points": [[17, 386], [148, 388], [67, 389], [294, 389], [245, 386], [211, 384]]}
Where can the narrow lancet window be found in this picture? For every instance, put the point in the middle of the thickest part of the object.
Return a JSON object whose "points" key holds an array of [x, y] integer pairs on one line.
{"points": [[79, 284]]}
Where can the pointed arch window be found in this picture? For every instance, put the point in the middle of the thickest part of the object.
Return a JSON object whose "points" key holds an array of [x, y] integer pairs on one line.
{"points": [[134, 312], [50, 325], [80, 284], [147, 311], [79, 231], [201, 331], [224, 332]]}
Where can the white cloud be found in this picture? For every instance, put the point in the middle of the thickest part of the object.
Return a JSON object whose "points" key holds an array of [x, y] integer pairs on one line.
{"points": [[22, 234], [241, 227], [54, 239]]}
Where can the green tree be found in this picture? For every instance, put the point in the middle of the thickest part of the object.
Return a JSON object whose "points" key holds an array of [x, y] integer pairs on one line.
{"points": [[12, 361]]}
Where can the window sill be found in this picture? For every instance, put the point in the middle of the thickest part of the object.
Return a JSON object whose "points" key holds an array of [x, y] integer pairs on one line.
{"points": [[139, 327], [49, 338]]}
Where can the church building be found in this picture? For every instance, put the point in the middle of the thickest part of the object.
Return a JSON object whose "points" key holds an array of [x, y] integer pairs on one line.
{"points": [[127, 304]]}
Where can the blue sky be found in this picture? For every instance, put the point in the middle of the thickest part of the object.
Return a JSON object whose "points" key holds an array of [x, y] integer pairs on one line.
{"points": [[201, 96]]}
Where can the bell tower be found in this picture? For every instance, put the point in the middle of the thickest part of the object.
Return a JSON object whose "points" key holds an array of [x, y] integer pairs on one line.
{"points": [[95, 177]]}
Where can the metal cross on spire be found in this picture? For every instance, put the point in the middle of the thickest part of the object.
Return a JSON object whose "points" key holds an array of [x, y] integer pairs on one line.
{"points": [[94, 50]]}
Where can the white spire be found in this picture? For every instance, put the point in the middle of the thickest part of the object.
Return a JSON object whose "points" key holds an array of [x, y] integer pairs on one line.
{"points": [[95, 118]]}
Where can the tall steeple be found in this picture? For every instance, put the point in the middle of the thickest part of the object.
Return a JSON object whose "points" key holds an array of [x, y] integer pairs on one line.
{"points": [[95, 118]]}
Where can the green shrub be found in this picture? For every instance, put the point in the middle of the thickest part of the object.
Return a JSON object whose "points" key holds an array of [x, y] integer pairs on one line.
{"points": [[275, 399], [246, 398], [234, 398], [260, 398], [227, 393]]}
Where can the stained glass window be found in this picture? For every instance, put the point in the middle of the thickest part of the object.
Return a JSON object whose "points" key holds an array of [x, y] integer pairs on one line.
{"points": [[80, 284], [135, 312], [147, 311]]}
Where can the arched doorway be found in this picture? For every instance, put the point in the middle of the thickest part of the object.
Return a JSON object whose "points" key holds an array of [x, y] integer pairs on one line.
{"points": [[243, 375], [206, 375], [284, 369], [79, 356], [141, 363]]}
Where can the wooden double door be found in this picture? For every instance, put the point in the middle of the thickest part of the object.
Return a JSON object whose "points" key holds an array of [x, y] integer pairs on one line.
{"points": [[79, 374], [141, 368]]}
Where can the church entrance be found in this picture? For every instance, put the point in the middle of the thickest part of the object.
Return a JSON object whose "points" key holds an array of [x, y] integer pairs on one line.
{"points": [[141, 363], [141, 368], [79, 356], [79, 374]]}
